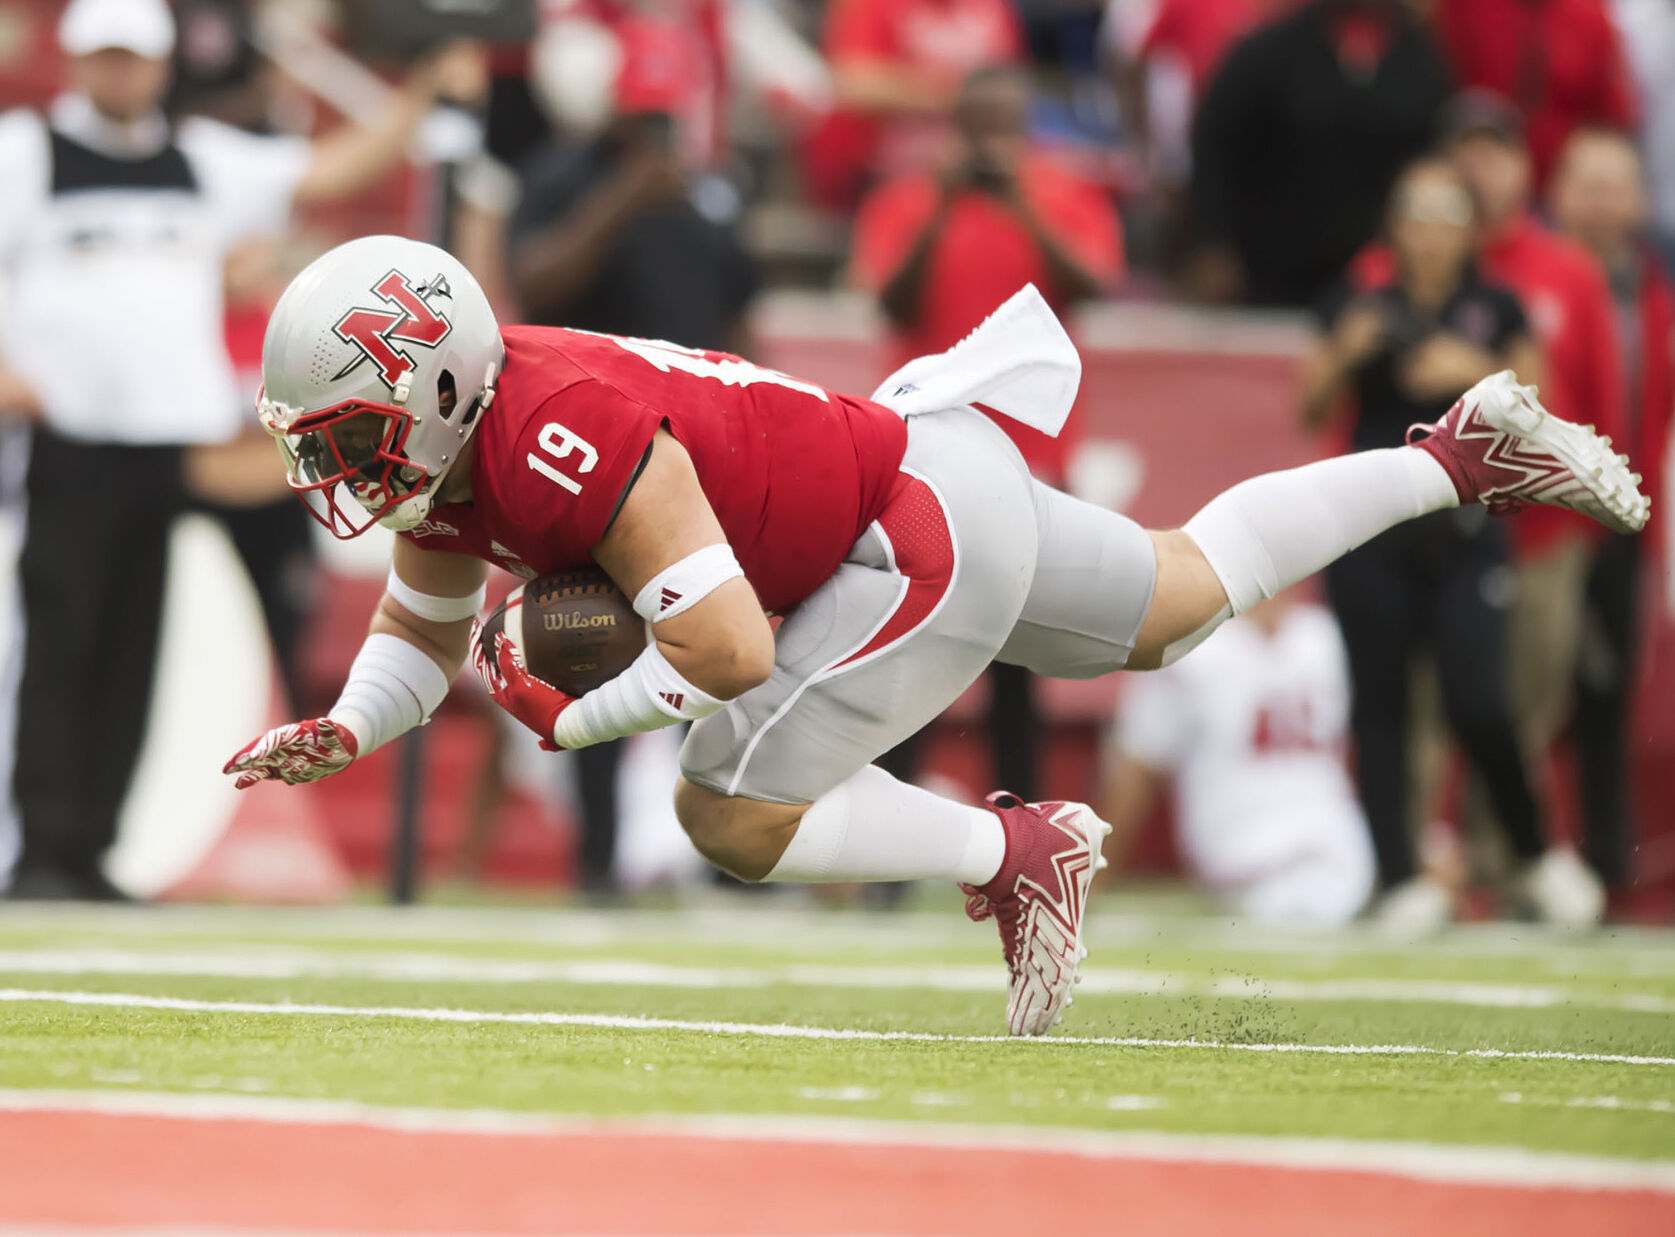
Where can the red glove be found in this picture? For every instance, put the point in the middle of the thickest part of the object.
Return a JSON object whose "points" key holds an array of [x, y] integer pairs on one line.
{"points": [[297, 752], [534, 703]]}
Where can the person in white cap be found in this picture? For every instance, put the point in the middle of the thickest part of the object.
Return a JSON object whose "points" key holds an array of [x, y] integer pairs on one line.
{"points": [[114, 228]]}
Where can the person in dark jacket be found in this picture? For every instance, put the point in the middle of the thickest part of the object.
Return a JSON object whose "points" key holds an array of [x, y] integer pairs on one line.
{"points": [[1397, 354], [1297, 143]]}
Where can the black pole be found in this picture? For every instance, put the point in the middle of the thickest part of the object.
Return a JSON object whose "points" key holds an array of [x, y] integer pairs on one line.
{"points": [[406, 844], [406, 841]]}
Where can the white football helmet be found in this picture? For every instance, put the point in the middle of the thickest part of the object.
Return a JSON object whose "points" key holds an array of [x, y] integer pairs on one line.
{"points": [[378, 363]]}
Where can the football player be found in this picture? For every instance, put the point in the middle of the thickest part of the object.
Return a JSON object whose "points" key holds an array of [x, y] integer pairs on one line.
{"points": [[906, 546]]}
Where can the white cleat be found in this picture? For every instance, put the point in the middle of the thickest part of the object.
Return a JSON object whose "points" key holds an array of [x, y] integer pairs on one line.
{"points": [[1419, 907], [1037, 900], [1560, 889], [1500, 447]]}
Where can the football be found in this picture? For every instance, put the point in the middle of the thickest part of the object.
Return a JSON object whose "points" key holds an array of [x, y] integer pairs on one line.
{"points": [[575, 629]]}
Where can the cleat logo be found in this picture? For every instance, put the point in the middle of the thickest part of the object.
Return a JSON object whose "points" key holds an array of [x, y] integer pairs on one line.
{"points": [[1533, 472]]}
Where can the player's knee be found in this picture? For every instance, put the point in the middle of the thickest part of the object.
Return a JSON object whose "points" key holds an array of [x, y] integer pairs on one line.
{"points": [[744, 837]]}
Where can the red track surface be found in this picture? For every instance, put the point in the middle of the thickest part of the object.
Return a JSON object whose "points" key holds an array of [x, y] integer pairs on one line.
{"points": [[101, 1170]]}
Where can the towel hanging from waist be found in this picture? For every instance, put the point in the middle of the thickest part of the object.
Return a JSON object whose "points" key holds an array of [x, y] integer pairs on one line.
{"points": [[1018, 361]]}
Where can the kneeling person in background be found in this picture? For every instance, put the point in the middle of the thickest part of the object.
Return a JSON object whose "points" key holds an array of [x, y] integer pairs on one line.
{"points": [[1250, 733]]}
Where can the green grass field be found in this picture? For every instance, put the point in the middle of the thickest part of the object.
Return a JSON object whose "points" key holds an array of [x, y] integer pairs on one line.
{"points": [[1183, 1024]]}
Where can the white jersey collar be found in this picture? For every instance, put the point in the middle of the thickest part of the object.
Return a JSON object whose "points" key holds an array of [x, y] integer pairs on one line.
{"points": [[76, 118]]}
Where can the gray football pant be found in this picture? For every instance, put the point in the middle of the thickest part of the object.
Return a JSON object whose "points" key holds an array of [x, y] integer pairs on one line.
{"points": [[972, 562]]}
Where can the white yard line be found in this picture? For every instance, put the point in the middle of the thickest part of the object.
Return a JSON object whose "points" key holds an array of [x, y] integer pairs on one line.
{"points": [[1465, 1164], [281, 964], [125, 1000], [1614, 1103], [791, 923]]}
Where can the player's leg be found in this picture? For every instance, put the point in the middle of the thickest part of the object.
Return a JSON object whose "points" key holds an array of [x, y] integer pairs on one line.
{"points": [[900, 630], [1265, 534], [779, 785], [1109, 595], [1497, 445]]}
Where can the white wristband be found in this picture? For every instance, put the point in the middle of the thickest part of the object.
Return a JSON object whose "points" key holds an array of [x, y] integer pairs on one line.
{"points": [[680, 586], [429, 606], [649, 695], [393, 686]]}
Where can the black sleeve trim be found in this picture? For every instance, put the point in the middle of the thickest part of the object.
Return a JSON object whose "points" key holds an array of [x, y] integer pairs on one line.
{"points": [[639, 468]]}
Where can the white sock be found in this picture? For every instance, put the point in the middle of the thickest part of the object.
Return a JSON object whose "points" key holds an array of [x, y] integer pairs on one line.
{"points": [[1265, 534], [874, 828]]}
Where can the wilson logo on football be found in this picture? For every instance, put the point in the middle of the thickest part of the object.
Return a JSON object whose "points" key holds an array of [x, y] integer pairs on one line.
{"points": [[376, 332]]}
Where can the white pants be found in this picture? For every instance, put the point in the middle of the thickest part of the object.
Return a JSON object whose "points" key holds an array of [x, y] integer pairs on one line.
{"points": [[1322, 886], [971, 562]]}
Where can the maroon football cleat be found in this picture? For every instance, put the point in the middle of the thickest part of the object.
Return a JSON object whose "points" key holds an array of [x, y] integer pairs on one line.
{"points": [[1037, 899], [1503, 449]]}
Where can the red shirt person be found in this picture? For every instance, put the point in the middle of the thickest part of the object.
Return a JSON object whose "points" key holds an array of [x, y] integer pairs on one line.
{"points": [[897, 66], [1599, 197], [943, 251], [1559, 61]]}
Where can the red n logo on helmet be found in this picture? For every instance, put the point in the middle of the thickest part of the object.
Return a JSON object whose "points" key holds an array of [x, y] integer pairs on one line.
{"points": [[376, 331]]}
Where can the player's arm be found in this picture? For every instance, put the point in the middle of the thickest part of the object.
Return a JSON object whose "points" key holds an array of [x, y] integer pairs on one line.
{"points": [[721, 644], [710, 640], [414, 647]]}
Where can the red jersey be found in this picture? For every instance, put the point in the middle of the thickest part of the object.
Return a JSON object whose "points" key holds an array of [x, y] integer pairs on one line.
{"points": [[1652, 402], [1560, 61], [940, 41], [794, 472], [1570, 311], [984, 253]]}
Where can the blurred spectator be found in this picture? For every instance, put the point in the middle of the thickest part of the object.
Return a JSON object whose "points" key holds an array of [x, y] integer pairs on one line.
{"points": [[942, 251], [217, 69], [1167, 52], [897, 66], [617, 235], [1647, 28], [1297, 142], [1558, 61], [1403, 350], [1599, 198], [1250, 732], [1571, 311], [113, 233]]}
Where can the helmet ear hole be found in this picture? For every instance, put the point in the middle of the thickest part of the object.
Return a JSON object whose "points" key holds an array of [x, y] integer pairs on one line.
{"points": [[447, 398]]}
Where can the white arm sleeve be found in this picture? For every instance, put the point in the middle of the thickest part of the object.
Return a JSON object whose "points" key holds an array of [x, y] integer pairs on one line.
{"points": [[393, 686], [682, 585], [649, 695]]}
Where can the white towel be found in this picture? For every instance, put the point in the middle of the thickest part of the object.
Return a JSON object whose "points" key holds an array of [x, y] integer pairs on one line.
{"points": [[1018, 361]]}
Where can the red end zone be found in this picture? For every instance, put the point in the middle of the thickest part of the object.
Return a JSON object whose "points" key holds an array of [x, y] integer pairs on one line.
{"points": [[101, 1170]]}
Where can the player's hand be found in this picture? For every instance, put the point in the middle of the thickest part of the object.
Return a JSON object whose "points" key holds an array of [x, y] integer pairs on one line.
{"points": [[534, 703], [294, 753]]}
